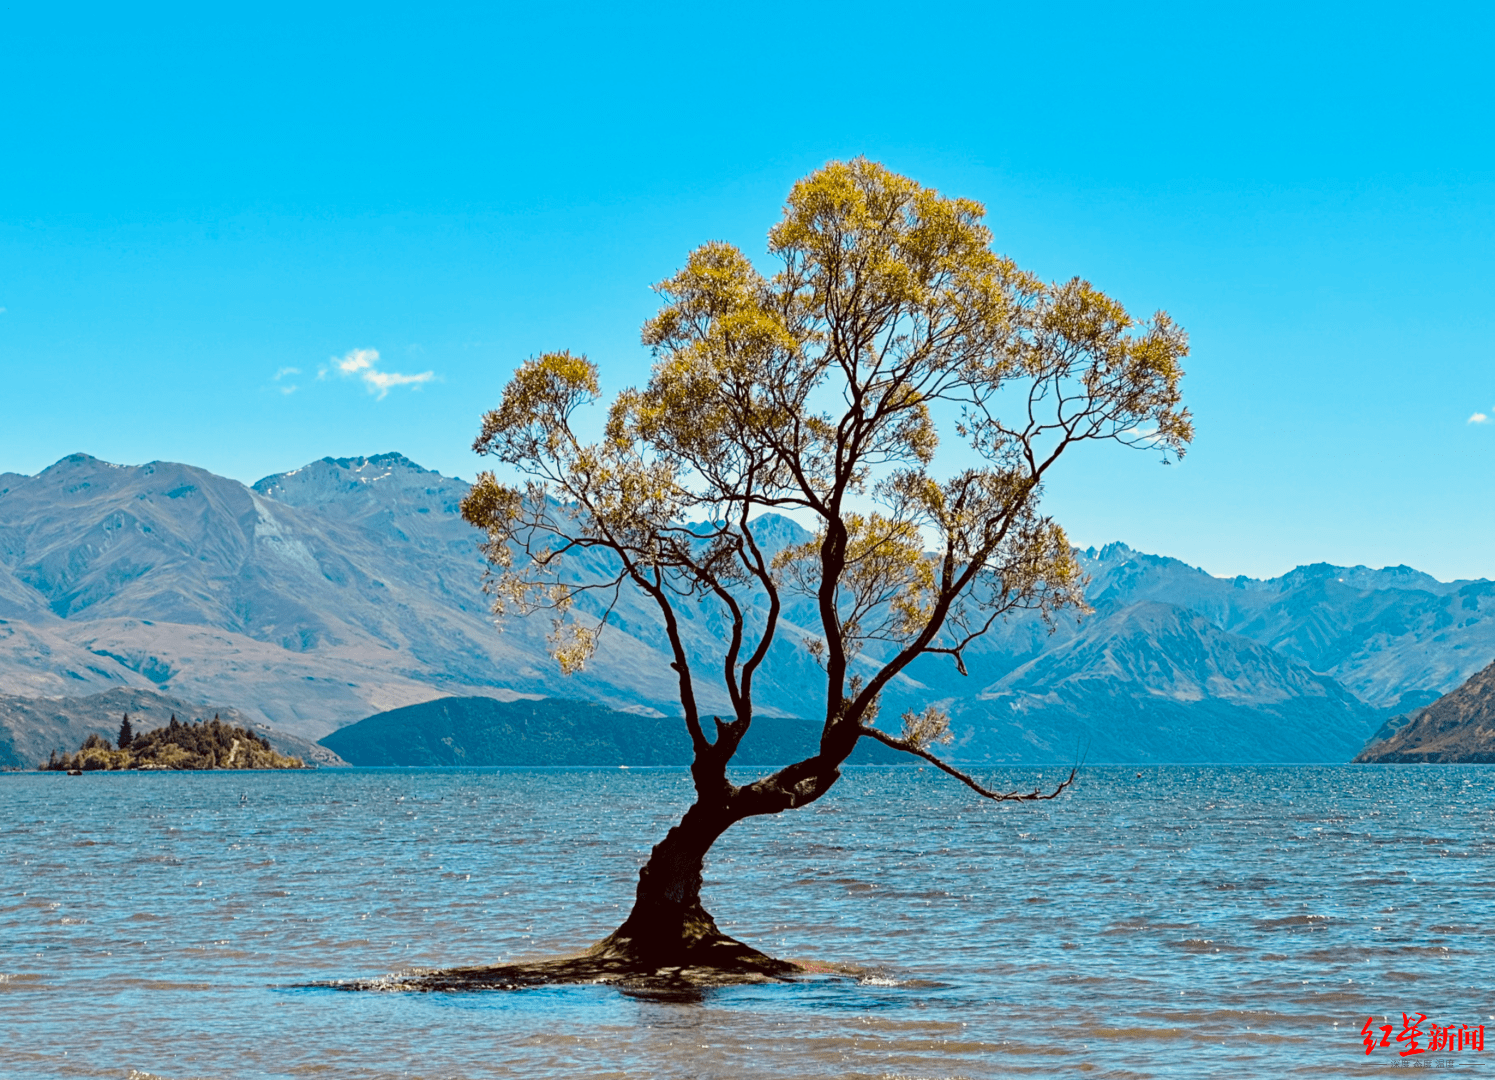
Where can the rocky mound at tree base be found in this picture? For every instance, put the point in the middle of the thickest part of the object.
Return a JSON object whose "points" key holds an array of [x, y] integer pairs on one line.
{"points": [[725, 962]]}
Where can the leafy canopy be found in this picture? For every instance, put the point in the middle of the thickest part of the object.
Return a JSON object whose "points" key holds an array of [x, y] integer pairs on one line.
{"points": [[825, 390]]}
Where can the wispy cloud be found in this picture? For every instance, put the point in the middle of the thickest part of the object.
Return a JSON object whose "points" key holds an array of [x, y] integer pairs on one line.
{"points": [[1479, 418], [361, 363], [284, 373], [383, 380]]}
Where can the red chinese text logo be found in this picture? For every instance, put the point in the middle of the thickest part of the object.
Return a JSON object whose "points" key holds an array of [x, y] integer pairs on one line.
{"points": [[1440, 1037]]}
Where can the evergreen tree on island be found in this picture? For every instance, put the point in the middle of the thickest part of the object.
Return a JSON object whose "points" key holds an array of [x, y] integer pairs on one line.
{"points": [[177, 746], [826, 391]]}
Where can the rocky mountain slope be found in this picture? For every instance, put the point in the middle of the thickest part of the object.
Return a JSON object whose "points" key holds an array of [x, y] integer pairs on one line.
{"points": [[351, 586], [1385, 634], [314, 598], [1458, 727], [1157, 682]]}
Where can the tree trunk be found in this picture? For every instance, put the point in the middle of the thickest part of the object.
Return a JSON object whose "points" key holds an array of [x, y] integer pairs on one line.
{"points": [[668, 927]]}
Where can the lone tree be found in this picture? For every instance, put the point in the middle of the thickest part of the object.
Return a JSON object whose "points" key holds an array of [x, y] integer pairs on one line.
{"points": [[126, 733], [824, 391]]}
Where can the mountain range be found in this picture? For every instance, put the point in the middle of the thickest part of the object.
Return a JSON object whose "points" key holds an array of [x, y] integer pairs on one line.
{"points": [[314, 598]]}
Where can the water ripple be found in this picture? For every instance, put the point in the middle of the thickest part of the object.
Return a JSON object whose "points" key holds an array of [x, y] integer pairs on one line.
{"points": [[1194, 921]]}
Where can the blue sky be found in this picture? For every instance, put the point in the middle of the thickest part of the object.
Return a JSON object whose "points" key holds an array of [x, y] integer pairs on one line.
{"points": [[202, 209]]}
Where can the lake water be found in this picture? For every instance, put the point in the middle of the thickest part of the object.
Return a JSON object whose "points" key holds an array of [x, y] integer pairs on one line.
{"points": [[1190, 921]]}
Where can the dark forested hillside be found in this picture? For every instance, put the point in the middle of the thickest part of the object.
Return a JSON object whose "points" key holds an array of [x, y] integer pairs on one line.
{"points": [[554, 731]]}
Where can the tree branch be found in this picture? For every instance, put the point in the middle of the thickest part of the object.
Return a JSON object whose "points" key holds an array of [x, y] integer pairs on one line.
{"points": [[1010, 796]]}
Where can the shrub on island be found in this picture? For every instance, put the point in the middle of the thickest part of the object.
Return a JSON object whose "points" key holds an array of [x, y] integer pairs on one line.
{"points": [[201, 745]]}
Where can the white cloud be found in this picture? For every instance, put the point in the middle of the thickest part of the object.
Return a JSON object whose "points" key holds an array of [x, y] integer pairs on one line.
{"points": [[360, 362], [383, 380], [283, 372], [1479, 418], [357, 360]]}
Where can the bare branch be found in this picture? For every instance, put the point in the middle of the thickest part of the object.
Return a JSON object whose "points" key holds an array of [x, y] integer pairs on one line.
{"points": [[1009, 796]]}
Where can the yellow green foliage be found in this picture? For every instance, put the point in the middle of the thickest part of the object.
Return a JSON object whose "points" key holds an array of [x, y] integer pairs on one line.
{"points": [[894, 381]]}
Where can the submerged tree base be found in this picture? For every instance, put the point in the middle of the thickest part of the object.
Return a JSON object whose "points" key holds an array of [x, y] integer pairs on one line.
{"points": [[723, 961]]}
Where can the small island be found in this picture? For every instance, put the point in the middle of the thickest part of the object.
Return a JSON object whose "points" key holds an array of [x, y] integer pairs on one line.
{"points": [[204, 745]]}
